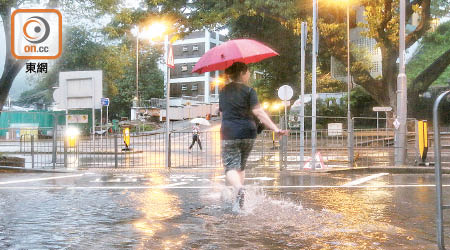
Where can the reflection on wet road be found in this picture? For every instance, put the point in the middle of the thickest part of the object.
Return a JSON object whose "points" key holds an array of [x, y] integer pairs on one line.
{"points": [[162, 210]]}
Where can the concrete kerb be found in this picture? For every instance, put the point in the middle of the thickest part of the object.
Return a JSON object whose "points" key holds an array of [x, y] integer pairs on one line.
{"points": [[5, 169], [359, 170], [389, 169]]}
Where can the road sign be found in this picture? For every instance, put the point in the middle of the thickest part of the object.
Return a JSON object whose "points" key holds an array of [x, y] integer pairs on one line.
{"points": [[105, 101], [382, 109], [285, 92]]}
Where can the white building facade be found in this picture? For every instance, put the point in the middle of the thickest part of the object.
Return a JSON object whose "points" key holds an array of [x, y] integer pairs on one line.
{"points": [[187, 52]]}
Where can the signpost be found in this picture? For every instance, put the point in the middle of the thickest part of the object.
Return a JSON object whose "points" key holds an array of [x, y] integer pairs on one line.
{"points": [[104, 102], [285, 93]]}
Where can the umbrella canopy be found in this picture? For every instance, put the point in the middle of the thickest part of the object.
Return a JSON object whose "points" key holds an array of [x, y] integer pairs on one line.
{"points": [[239, 50], [201, 121]]}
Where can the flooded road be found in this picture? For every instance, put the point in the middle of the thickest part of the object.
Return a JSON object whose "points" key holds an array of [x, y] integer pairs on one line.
{"points": [[195, 211]]}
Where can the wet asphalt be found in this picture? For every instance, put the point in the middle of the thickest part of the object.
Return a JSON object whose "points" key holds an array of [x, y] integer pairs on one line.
{"points": [[194, 210]]}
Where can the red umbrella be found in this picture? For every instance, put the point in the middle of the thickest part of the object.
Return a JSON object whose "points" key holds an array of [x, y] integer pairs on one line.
{"points": [[239, 50]]}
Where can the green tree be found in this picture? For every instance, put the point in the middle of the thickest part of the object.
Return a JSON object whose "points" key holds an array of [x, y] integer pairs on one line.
{"points": [[382, 20], [80, 8], [431, 56], [118, 63]]}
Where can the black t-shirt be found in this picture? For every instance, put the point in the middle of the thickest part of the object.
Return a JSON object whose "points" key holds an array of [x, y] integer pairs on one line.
{"points": [[236, 102]]}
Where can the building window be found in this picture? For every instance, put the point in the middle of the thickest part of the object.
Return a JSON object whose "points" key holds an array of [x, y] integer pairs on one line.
{"points": [[184, 68], [185, 49], [195, 47], [194, 87], [183, 87], [375, 67]]}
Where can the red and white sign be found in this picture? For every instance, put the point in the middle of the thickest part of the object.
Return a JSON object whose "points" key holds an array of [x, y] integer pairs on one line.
{"points": [[318, 162]]}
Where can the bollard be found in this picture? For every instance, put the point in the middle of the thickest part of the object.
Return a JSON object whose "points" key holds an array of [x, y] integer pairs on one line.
{"points": [[423, 140]]}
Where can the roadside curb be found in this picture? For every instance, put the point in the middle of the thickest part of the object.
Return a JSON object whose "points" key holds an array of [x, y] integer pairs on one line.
{"points": [[391, 170], [4, 169]]}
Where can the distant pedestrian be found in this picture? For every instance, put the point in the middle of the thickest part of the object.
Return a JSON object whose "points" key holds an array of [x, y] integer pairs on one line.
{"points": [[239, 105], [196, 137]]}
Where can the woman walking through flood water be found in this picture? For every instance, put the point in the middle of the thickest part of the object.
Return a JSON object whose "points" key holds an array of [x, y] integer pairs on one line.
{"points": [[239, 105]]}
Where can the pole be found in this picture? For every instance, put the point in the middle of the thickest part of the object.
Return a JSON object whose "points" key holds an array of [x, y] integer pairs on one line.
{"points": [[377, 121], [55, 134], [107, 113], [116, 162], [32, 151], [167, 135], [349, 115], [313, 95], [101, 122], [137, 67], [302, 97], [401, 94]]}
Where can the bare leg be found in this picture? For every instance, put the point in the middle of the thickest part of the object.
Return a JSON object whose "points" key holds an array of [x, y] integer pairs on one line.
{"points": [[242, 176], [234, 178]]}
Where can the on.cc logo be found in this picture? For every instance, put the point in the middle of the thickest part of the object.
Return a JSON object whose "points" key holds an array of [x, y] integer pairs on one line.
{"points": [[36, 33]]}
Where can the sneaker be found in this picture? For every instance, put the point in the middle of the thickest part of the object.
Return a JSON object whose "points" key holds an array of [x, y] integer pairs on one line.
{"points": [[240, 197]]}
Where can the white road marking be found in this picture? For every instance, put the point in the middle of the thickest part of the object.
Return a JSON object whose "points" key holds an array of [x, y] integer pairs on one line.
{"points": [[41, 179], [177, 186], [261, 178], [365, 179]]}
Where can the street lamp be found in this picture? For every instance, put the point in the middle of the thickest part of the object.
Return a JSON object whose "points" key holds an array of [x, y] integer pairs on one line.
{"points": [[349, 116], [349, 86], [401, 131], [153, 31]]}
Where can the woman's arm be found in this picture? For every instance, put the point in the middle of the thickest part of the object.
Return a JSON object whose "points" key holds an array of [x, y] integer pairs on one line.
{"points": [[259, 112]]}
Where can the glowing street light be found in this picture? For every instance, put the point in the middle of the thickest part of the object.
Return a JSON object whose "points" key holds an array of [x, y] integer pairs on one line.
{"points": [[349, 116], [276, 106], [157, 29], [153, 31]]}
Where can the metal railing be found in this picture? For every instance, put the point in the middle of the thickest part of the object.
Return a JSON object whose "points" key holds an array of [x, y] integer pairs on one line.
{"points": [[438, 172], [371, 148]]}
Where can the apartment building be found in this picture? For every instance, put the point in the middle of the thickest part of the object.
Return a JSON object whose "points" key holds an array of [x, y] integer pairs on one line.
{"points": [[186, 52], [365, 45]]}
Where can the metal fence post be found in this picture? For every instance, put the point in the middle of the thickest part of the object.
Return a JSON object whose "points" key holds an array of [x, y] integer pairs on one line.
{"points": [[55, 134], [32, 151], [263, 141], [169, 152], [65, 152], [115, 151]]}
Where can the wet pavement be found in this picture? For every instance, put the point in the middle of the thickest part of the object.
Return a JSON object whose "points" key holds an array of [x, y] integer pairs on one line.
{"points": [[194, 210]]}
